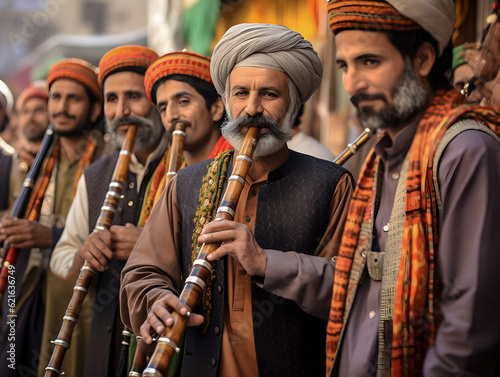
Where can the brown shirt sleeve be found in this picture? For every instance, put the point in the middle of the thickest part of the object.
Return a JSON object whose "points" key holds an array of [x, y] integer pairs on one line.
{"points": [[308, 279], [154, 265]]}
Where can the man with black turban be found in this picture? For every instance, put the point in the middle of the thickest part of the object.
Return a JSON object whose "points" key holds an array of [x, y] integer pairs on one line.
{"points": [[263, 314]]}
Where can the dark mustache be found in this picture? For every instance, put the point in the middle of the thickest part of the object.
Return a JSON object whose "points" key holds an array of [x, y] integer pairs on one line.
{"points": [[357, 98], [173, 124], [64, 113], [115, 123]]}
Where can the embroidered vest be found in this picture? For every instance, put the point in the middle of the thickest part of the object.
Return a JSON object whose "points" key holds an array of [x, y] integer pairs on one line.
{"points": [[282, 223]]}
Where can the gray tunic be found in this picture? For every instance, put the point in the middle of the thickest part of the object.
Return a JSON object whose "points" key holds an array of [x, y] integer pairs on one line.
{"points": [[468, 338]]}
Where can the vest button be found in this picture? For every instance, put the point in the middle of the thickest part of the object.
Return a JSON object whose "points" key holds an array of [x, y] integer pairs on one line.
{"points": [[395, 175], [248, 219], [131, 185], [130, 203], [213, 362], [217, 330], [219, 288]]}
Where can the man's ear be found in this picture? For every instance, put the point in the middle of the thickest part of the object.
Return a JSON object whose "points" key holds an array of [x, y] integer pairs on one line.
{"points": [[424, 59], [217, 110], [95, 111]]}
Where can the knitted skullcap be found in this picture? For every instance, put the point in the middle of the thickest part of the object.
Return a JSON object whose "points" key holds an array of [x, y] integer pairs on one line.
{"points": [[37, 89], [437, 17], [76, 69], [6, 97], [267, 46], [125, 58], [176, 63]]}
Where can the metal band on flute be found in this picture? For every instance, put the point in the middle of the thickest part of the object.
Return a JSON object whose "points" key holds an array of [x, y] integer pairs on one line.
{"points": [[175, 157], [201, 271], [87, 272], [9, 254]]}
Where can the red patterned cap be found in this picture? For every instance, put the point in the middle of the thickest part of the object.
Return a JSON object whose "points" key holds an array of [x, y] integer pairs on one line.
{"points": [[366, 15], [37, 89], [78, 70], [177, 63], [125, 58]]}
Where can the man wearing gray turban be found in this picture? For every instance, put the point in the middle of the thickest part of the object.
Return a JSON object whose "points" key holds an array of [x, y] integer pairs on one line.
{"points": [[267, 46], [265, 314]]}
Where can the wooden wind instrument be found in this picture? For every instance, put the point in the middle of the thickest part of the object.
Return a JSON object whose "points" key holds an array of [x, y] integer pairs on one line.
{"points": [[353, 147], [175, 156], [476, 80], [108, 210], [174, 164], [19, 208], [202, 269]]}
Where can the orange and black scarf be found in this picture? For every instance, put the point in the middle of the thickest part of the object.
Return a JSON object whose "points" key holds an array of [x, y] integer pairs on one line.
{"points": [[417, 285], [92, 148]]}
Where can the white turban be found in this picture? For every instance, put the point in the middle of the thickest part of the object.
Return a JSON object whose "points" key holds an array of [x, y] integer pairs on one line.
{"points": [[267, 46], [437, 17], [6, 98]]}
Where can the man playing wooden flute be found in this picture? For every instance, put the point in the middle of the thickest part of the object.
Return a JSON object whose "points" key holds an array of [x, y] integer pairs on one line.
{"points": [[74, 105], [263, 313], [96, 352], [180, 86], [415, 281]]}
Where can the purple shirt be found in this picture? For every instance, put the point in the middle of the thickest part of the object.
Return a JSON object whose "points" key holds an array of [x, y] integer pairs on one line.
{"points": [[468, 339]]}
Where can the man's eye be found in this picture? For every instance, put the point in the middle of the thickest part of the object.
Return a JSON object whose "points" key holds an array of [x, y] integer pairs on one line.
{"points": [[371, 62], [270, 95]]}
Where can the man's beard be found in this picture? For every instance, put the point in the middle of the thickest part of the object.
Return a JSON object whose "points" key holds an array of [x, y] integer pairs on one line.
{"points": [[268, 144], [410, 96], [36, 134], [79, 129], [149, 130]]}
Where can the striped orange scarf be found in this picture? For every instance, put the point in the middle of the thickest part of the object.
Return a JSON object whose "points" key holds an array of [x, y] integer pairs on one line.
{"points": [[92, 148], [416, 286]]}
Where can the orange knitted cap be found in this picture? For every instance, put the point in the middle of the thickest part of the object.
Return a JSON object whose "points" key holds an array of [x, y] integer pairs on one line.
{"points": [[367, 15], [125, 58], [78, 70], [37, 89], [177, 63]]}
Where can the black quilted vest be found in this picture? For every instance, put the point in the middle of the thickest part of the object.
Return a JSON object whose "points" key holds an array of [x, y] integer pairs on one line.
{"points": [[292, 214], [104, 333]]}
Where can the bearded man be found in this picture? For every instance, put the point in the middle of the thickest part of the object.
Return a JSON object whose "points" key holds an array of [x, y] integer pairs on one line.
{"points": [[414, 282], [266, 313], [31, 106], [74, 106], [121, 76]]}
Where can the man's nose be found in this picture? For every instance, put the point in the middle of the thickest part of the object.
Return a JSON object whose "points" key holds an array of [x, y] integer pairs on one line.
{"points": [[254, 105]]}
